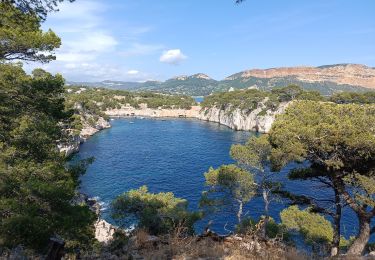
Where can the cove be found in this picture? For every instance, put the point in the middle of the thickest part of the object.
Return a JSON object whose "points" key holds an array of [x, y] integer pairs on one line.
{"points": [[172, 155]]}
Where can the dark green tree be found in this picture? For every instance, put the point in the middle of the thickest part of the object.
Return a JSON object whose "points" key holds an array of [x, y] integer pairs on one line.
{"points": [[21, 37], [230, 185], [36, 7], [159, 213], [315, 229], [255, 156], [36, 187], [339, 142]]}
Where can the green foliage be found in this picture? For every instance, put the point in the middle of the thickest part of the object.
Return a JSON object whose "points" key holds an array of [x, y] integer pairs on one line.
{"points": [[159, 213], [252, 99], [37, 7], [339, 142], [36, 187], [98, 100], [229, 184], [335, 136], [21, 37], [287, 93], [255, 153], [314, 227], [273, 229], [246, 99], [352, 97]]}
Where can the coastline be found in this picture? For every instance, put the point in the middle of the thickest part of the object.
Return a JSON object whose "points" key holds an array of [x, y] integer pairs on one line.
{"points": [[258, 120]]}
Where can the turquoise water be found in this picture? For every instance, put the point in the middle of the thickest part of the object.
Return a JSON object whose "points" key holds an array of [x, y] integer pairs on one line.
{"points": [[172, 155]]}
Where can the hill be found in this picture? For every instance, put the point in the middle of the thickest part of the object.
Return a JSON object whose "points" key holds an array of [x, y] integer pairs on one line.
{"points": [[327, 79]]}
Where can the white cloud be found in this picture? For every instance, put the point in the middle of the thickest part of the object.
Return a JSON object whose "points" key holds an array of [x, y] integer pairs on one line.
{"points": [[132, 72], [91, 46], [174, 56]]}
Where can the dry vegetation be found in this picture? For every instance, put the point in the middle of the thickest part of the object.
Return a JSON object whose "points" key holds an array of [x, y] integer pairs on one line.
{"points": [[178, 246]]}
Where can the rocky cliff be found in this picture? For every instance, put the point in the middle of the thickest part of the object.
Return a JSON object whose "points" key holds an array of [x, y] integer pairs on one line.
{"points": [[259, 120], [90, 123], [342, 74]]}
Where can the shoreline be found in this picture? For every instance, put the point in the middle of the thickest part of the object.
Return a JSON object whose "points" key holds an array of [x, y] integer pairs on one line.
{"points": [[258, 120]]}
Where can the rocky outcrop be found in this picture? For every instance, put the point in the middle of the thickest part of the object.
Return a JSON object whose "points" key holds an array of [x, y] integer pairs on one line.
{"points": [[104, 231], [89, 130], [350, 74], [259, 120], [91, 124], [70, 147]]}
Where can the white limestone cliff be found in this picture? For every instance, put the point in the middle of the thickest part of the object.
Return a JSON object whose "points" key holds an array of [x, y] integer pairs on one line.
{"points": [[259, 120]]}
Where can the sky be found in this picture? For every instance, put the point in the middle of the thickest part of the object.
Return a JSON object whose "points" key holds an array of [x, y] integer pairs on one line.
{"points": [[139, 40]]}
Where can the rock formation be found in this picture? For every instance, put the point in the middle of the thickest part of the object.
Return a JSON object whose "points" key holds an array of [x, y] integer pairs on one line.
{"points": [[259, 120], [351, 74], [91, 124], [104, 231]]}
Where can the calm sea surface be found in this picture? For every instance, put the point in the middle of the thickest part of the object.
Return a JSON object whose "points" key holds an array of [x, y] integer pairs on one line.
{"points": [[172, 155]]}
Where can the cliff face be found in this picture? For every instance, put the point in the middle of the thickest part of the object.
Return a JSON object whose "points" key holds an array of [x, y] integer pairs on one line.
{"points": [[350, 74], [89, 130], [91, 124], [259, 120]]}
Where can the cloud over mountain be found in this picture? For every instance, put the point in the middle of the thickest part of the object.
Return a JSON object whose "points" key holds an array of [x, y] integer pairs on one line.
{"points": [[174, 56]]}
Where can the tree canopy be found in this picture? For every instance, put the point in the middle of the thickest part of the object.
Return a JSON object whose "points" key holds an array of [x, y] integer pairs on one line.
{"points": [[22, 38], [255, 156], [339, 142], [230, 184], [36, 7], [158, 213], [36, 187]]}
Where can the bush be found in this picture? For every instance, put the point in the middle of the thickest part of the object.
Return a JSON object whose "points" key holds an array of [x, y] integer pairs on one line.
{"points": [[158, 213], [273, 230]]}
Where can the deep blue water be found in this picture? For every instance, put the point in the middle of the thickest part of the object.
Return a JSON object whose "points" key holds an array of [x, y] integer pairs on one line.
{"points": [[172, 155], [198, 99]]}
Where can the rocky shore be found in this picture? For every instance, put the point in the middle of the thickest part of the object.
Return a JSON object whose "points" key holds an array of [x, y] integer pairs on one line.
{"points": [[150, 112], [103, 230], [72, 146]]}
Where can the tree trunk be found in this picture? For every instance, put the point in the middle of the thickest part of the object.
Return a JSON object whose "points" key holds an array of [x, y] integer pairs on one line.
{"points": [[266, 214], [336, 225], [239, 213], [363, 236]]}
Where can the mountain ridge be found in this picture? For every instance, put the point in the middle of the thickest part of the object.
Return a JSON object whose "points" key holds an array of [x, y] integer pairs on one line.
{"points": [[327, 79]]}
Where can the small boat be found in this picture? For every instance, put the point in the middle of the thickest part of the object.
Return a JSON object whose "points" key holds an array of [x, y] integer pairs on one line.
{"points": [[131, 122]]}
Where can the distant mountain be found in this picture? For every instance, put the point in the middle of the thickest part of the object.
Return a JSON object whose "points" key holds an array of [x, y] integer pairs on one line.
{"points": [[112, 84], [195, 85], [326, 79]]}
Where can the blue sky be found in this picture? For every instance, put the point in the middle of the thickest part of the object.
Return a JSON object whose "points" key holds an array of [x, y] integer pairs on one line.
{"points": [[138, 40]]}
